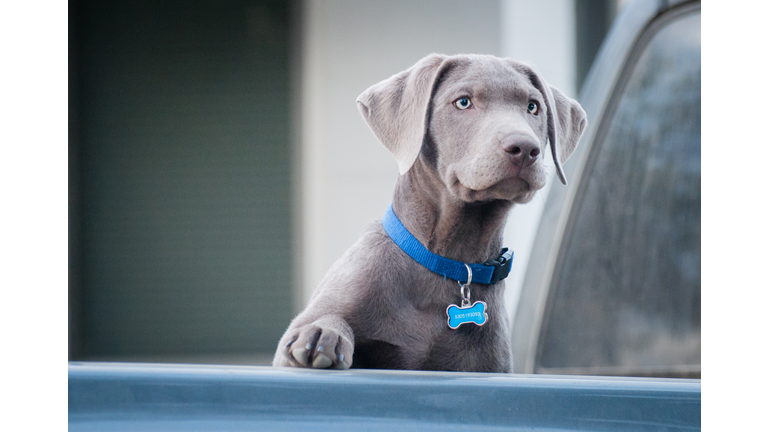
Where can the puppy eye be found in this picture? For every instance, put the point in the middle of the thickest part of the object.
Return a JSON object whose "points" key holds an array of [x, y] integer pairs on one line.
{"points": [[462, 103], [533, 108]]}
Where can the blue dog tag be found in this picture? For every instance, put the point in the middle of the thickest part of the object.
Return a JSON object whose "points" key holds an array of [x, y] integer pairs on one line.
{"points": [[462, 315]]}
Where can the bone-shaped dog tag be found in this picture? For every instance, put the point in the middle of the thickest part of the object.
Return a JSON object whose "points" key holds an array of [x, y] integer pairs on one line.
{"points": [[463, 315]]}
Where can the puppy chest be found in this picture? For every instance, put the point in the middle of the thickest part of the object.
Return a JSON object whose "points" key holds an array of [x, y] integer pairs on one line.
{"points": [[433, 345], [467, 348]]}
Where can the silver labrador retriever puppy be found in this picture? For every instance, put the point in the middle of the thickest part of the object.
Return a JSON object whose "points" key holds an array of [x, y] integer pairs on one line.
{"points": [[469, 134]]}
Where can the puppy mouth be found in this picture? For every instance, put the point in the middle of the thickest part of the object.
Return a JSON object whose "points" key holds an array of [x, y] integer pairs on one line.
{"points": [[511, 188], [485, 178]]}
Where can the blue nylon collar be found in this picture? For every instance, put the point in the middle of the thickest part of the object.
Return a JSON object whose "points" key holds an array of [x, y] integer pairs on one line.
{"points": [[487, 273]]}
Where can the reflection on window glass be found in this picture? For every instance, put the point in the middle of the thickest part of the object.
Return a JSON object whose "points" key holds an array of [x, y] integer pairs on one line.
{"points": [[628, 296]]}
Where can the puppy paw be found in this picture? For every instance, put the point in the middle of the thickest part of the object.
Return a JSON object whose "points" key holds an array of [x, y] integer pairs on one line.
{"points": [[318, 346]]}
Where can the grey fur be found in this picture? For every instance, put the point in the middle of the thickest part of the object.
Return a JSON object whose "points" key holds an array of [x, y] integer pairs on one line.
{"points": [[461, 172]]}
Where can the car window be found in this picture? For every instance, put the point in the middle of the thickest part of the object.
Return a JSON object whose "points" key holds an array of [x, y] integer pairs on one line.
{"points": [[626, 294]]}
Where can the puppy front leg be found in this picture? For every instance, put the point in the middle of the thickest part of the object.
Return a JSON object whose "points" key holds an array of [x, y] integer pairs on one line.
{"points": [[327, 342]]}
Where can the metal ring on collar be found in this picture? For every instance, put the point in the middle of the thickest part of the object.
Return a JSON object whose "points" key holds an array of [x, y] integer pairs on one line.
{"points": [[465, 287]]}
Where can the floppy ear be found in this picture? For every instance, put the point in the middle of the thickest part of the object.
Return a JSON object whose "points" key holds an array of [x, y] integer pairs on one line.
{"points": [[397, 108], [566, 121]]}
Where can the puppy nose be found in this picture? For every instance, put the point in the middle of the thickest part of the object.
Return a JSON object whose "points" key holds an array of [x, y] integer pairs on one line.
{"points": [[523, 149]]}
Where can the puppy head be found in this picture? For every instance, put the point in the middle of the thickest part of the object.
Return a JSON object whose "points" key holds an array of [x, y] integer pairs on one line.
{"points": [[480, 121]]}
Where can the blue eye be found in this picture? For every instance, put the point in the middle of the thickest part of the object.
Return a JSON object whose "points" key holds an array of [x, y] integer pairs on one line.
{"points": [[462, 103], [533, 108]]}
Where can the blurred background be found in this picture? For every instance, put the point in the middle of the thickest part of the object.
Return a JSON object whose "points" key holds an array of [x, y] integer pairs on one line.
{"points": [[218, 164]]}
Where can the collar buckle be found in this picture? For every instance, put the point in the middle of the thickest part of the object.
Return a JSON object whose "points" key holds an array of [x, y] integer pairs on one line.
{"points": [[502, 265]]}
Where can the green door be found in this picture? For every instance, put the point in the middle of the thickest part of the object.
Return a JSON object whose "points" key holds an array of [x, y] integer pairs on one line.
{"points": [[182, 183]]}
